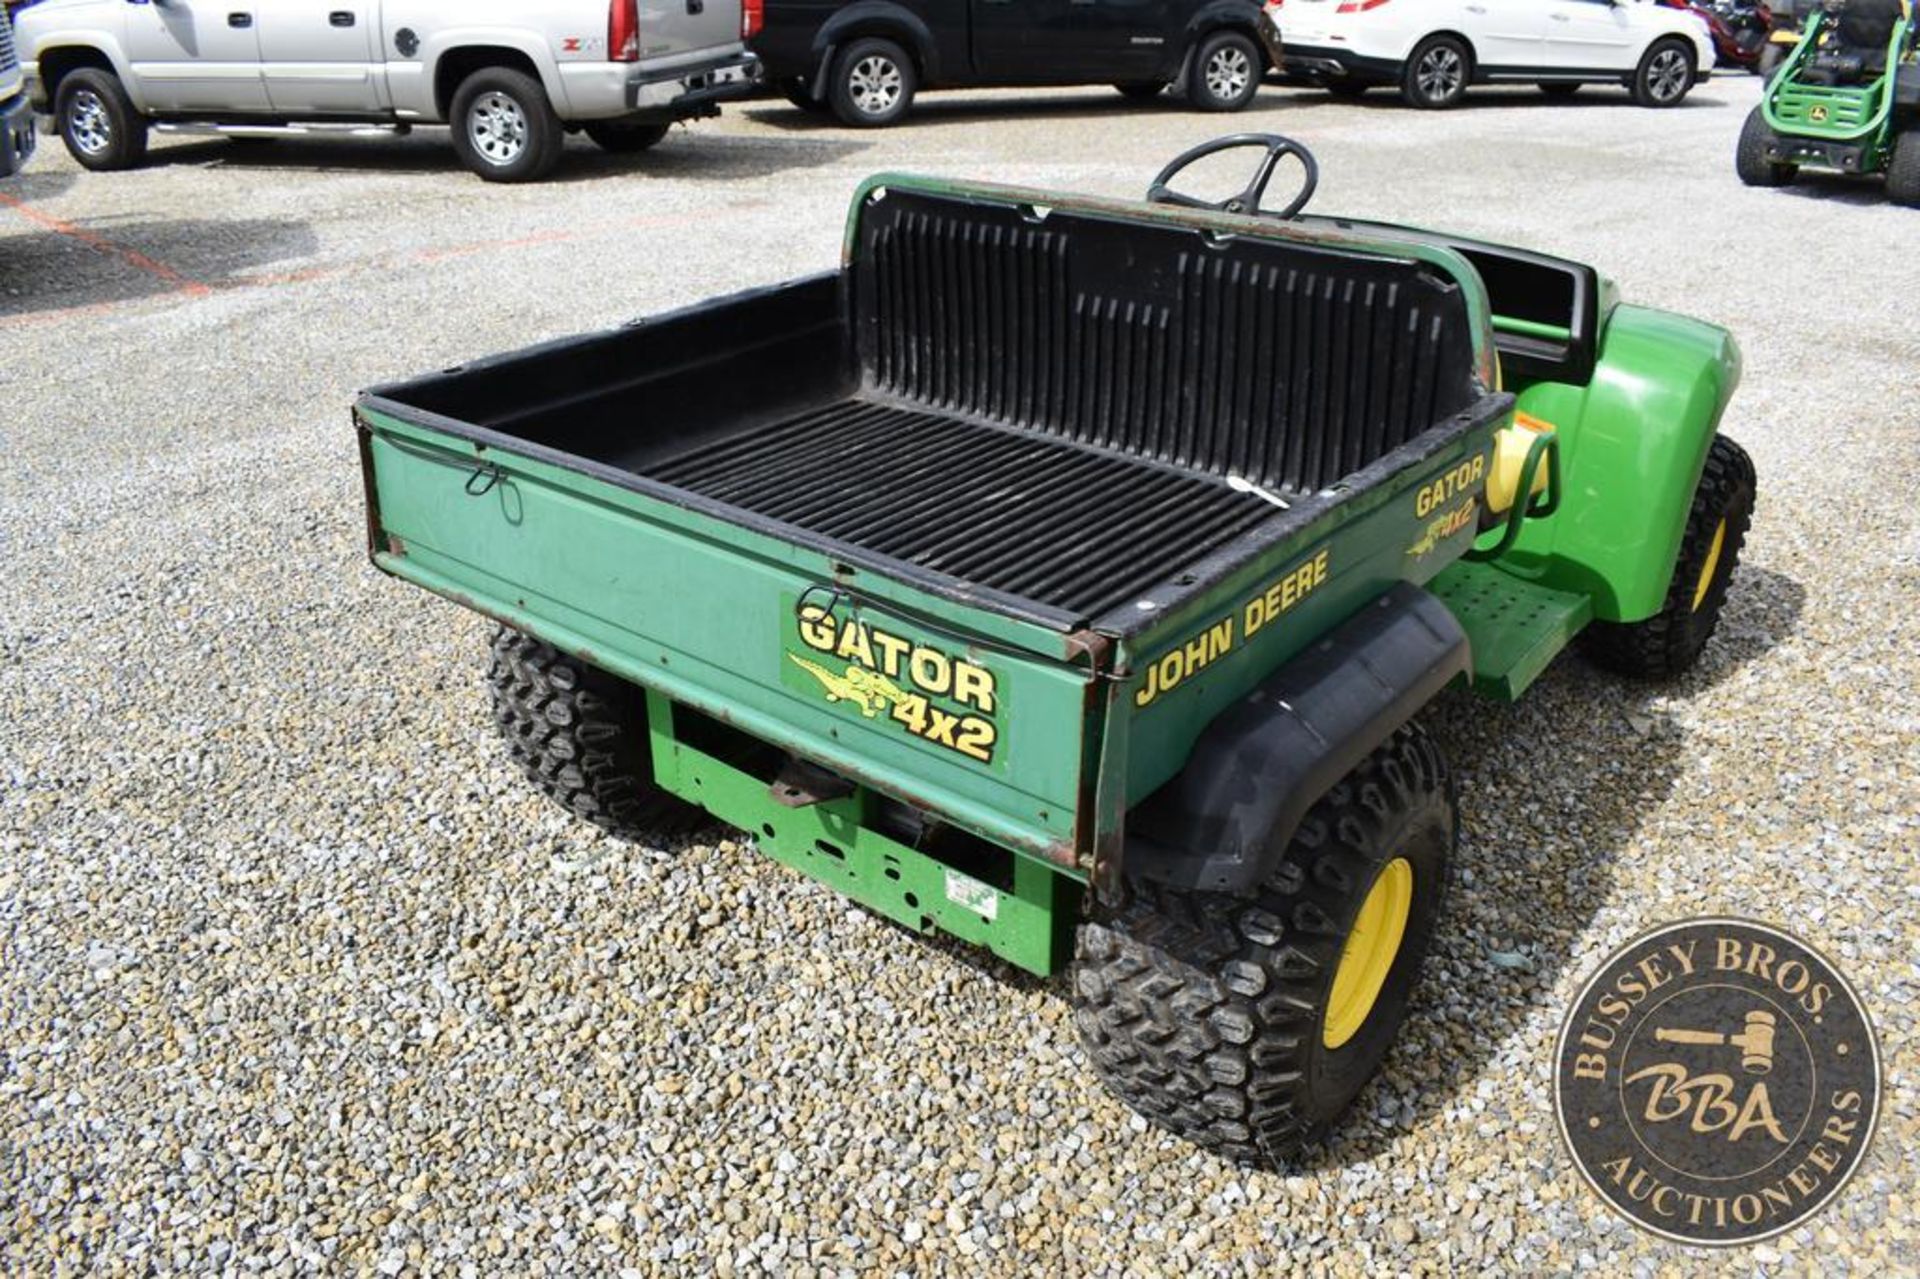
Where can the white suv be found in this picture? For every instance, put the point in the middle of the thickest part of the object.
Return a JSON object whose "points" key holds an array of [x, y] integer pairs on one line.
{"points": [[1433, 49]]}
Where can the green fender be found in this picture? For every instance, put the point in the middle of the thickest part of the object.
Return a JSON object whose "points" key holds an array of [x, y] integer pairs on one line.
{"points": [[1633, 442]]}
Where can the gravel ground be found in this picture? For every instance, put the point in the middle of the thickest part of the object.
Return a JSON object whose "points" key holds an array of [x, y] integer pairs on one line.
{"points": [[295, 971]]}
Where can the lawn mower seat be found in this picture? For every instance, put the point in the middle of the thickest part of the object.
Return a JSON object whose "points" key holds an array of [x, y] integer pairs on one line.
{"points": [[1855, 49]]}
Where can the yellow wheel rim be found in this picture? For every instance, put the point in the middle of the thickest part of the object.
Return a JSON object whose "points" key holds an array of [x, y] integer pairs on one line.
{"points": [[1371, 948], [1707, 569]]}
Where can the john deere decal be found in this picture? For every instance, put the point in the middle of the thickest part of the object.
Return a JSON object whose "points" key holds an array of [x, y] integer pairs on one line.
{"points": [[940, 697]]}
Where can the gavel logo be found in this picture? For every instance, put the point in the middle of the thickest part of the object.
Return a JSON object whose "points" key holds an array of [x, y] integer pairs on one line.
{"points": [[1755, 1042]]}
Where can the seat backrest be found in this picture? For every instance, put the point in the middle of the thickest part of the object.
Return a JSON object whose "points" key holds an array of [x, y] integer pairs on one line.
{"points": [[1291, 364]]}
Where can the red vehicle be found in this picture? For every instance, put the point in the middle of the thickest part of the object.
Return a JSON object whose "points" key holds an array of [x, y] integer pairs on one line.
{"points": [[1740, 29]]}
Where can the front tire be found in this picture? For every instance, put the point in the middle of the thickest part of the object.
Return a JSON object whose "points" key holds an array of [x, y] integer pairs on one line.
{"points": [[624, 137], [1664, 76], [98, 122], [1670, 642], [1750, 155], [1437, 75], [504, 126], [1249, 1024], [580, 736], [1225, 74], [872, 85], [1903, 170]]}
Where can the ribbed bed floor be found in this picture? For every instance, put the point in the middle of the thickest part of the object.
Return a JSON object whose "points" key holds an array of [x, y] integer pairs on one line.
{"points": [[1036, 518]]}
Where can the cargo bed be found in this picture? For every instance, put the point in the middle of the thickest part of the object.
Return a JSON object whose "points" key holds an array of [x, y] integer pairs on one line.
{"points": [[1037, 416]]}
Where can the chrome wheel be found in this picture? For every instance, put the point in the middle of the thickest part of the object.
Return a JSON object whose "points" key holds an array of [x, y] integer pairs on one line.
{"points": [[875, 83], [1228, 72], [1440, 73], [1668, 75], [497, 126], [88, 125]]}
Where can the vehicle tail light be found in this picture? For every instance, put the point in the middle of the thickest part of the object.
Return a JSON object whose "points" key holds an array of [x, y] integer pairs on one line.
{"points": [[1273, 4], [1358, 6], [753, 16], [623, 30]]}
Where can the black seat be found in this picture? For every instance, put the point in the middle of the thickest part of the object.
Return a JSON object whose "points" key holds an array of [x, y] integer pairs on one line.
{"points": [[1855, 50]]}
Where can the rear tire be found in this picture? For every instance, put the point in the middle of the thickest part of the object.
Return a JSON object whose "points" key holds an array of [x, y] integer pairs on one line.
{"points": [[1215, 1016], [504, 127], [1665, 74], [872, 84], [623, 137], [1750, 156], [1560, 88], [580, 736], [1437, 75], [1903, 170], [98, 122], [1671, 641], [1225, 73]]}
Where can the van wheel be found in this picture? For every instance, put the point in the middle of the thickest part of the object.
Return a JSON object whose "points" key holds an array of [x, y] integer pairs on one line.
{"points": [[580, 736], [1750, 155], [623, 137], [504, 126], [1437, 74], [1670, 641], [872, 84], [1225, 73], [1664, 75], [98, 121], [1903, 171], [1248, 1024]]}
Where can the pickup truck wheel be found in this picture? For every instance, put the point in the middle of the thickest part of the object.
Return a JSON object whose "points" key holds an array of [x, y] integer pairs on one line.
{"points": [[622, 138], [98, 121], [1248, 1024], [580, 736], [1671, 640], [504, 126], [872, 85], [1225, 73], [1664, 74], [1750, 156], [1437, 74]]}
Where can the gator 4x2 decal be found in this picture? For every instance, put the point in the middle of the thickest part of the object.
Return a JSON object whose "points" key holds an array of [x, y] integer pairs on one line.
{"points": [[948, 700]]}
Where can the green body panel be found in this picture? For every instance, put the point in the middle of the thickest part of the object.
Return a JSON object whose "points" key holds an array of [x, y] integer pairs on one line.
{"points": [[703, 612], [1632, 445], [1833, 113], [1027, 922], [1516, 627], [1251, 623]]}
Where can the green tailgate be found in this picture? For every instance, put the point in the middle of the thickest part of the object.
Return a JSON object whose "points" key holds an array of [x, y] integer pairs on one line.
{"points": [[948, 708]]}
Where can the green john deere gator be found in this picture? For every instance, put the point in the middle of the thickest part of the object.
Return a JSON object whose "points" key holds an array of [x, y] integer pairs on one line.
{"points": [[1846, 99], [1066, 574]]}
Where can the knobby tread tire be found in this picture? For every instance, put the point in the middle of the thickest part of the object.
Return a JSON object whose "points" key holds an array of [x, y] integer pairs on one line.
{"points": [[580, 736], [1204, 1011], [1671, 641]]}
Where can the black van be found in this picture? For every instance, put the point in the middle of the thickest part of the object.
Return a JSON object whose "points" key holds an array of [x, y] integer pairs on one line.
{"points": [[864, 60]]}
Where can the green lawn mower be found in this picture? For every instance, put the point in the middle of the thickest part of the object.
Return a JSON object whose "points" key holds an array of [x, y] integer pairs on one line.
{"points": [[1846, 99]]}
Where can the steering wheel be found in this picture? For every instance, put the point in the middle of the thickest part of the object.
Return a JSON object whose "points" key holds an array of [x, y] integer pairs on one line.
{"points": [[1276, 149]]}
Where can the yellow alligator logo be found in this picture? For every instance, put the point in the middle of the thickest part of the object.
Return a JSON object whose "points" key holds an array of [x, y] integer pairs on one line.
{"points": [[870, 691]]}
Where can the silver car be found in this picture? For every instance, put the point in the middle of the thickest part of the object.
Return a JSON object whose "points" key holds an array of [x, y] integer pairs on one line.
{"points": [[510, 78]]}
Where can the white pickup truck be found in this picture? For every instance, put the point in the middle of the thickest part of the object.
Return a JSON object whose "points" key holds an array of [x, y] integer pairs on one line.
{"points": [[511, 78], [16, 116]]}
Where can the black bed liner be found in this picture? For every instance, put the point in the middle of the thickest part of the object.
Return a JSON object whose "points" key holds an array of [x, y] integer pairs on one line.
{"points": [[1037, 415]]}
